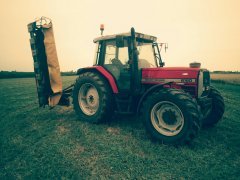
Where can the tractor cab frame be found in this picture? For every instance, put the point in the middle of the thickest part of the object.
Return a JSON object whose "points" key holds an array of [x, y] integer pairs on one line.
{"points": [[124, 55]]}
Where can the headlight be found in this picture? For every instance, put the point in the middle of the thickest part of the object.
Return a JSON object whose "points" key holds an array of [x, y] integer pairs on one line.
{"points": [[200, 84]]}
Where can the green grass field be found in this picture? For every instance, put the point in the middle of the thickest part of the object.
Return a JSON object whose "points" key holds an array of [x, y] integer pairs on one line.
{"points": [[43, 143]]}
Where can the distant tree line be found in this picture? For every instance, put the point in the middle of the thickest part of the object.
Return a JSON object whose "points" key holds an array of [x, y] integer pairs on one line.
{"points": [[15, 74], [226, 72]]}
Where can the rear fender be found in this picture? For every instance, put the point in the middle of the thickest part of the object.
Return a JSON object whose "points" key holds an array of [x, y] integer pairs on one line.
{"points": [[104, 73]]}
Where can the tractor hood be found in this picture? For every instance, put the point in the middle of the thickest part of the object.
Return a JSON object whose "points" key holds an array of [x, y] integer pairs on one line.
{"points": [[170, 74]]}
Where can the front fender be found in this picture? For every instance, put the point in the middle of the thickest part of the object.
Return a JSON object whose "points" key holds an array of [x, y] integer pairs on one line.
{"points": [[149, 91]]}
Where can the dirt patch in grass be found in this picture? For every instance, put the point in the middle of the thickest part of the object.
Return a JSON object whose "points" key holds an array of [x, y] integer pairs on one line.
{"points": [[114, 131], [62, 130]]}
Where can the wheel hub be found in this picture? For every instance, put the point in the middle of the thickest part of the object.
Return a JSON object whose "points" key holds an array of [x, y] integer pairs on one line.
{"points": [[88, 99], [92, 96], [91, 99], [167, 118]]}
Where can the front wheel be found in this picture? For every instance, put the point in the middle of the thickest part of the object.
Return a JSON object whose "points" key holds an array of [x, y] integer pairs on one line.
{"points": [[171, 116], [217, 111]]}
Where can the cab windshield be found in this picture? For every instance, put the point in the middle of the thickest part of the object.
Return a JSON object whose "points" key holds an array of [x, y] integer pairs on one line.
{"points": [[147, 58]]}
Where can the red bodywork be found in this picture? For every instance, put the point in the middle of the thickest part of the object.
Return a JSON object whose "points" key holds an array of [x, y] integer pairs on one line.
{"points": [[149, 74], [182, 77]]}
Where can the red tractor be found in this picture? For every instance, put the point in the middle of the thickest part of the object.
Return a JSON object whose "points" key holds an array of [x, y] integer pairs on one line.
{"points": [[128, 77]]}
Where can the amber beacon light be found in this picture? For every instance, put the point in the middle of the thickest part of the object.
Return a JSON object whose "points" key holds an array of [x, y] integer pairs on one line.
{"points": [[102, 28]]}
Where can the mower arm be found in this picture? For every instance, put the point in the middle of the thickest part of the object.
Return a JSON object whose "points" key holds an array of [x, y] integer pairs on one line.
{"points": [[46, 66]]}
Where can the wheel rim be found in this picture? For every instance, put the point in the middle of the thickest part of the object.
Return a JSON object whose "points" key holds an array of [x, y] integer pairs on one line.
{"points": [[88, 99], [167, 118]]}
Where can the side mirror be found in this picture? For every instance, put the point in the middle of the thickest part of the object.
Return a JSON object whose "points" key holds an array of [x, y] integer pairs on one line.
{"points": [[119, 41]]}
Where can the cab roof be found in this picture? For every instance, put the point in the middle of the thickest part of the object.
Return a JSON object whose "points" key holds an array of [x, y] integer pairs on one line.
{"points": [[128, 34]]}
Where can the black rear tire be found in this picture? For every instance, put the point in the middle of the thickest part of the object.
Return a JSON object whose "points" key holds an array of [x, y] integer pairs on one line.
{"points": [[186, 118], [87, 108], [218, 108]]}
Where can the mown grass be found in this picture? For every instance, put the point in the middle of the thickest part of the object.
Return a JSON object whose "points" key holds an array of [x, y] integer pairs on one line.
{"points": [[43, 143]]}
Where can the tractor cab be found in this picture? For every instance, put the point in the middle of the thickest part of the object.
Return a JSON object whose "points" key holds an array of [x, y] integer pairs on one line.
{"points": [[125, 54]]}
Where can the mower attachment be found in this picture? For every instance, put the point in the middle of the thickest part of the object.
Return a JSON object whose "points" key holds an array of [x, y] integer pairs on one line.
{"points": [[46, 66]]}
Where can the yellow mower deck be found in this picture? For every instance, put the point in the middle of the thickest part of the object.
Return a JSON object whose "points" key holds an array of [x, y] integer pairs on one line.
{"points": [[46, 66]]}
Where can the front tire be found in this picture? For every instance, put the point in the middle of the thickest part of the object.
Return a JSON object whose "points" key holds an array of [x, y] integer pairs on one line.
{"points": [[171, 116], [217, 110], [92, 98]]}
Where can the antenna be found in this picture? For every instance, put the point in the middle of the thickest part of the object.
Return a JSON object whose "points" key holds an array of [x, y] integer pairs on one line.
{"points": [[166, 46]]}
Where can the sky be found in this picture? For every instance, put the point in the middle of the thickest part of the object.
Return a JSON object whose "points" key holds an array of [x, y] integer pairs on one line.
{"points": [[206, 31]]}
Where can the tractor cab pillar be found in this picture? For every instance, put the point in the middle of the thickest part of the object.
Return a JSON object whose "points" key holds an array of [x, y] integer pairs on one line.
{"points": [[135, 73]]}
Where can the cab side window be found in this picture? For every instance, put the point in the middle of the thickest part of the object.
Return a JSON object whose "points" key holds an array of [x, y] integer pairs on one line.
{"points": [[116, 61]]}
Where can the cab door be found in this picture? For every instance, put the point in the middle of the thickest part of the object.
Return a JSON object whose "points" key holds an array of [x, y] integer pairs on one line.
{"points": [[116, 61]]}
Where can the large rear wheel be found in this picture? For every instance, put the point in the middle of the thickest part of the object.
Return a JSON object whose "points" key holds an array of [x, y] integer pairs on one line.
{"points": [[171, 116], [92, 98]]}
